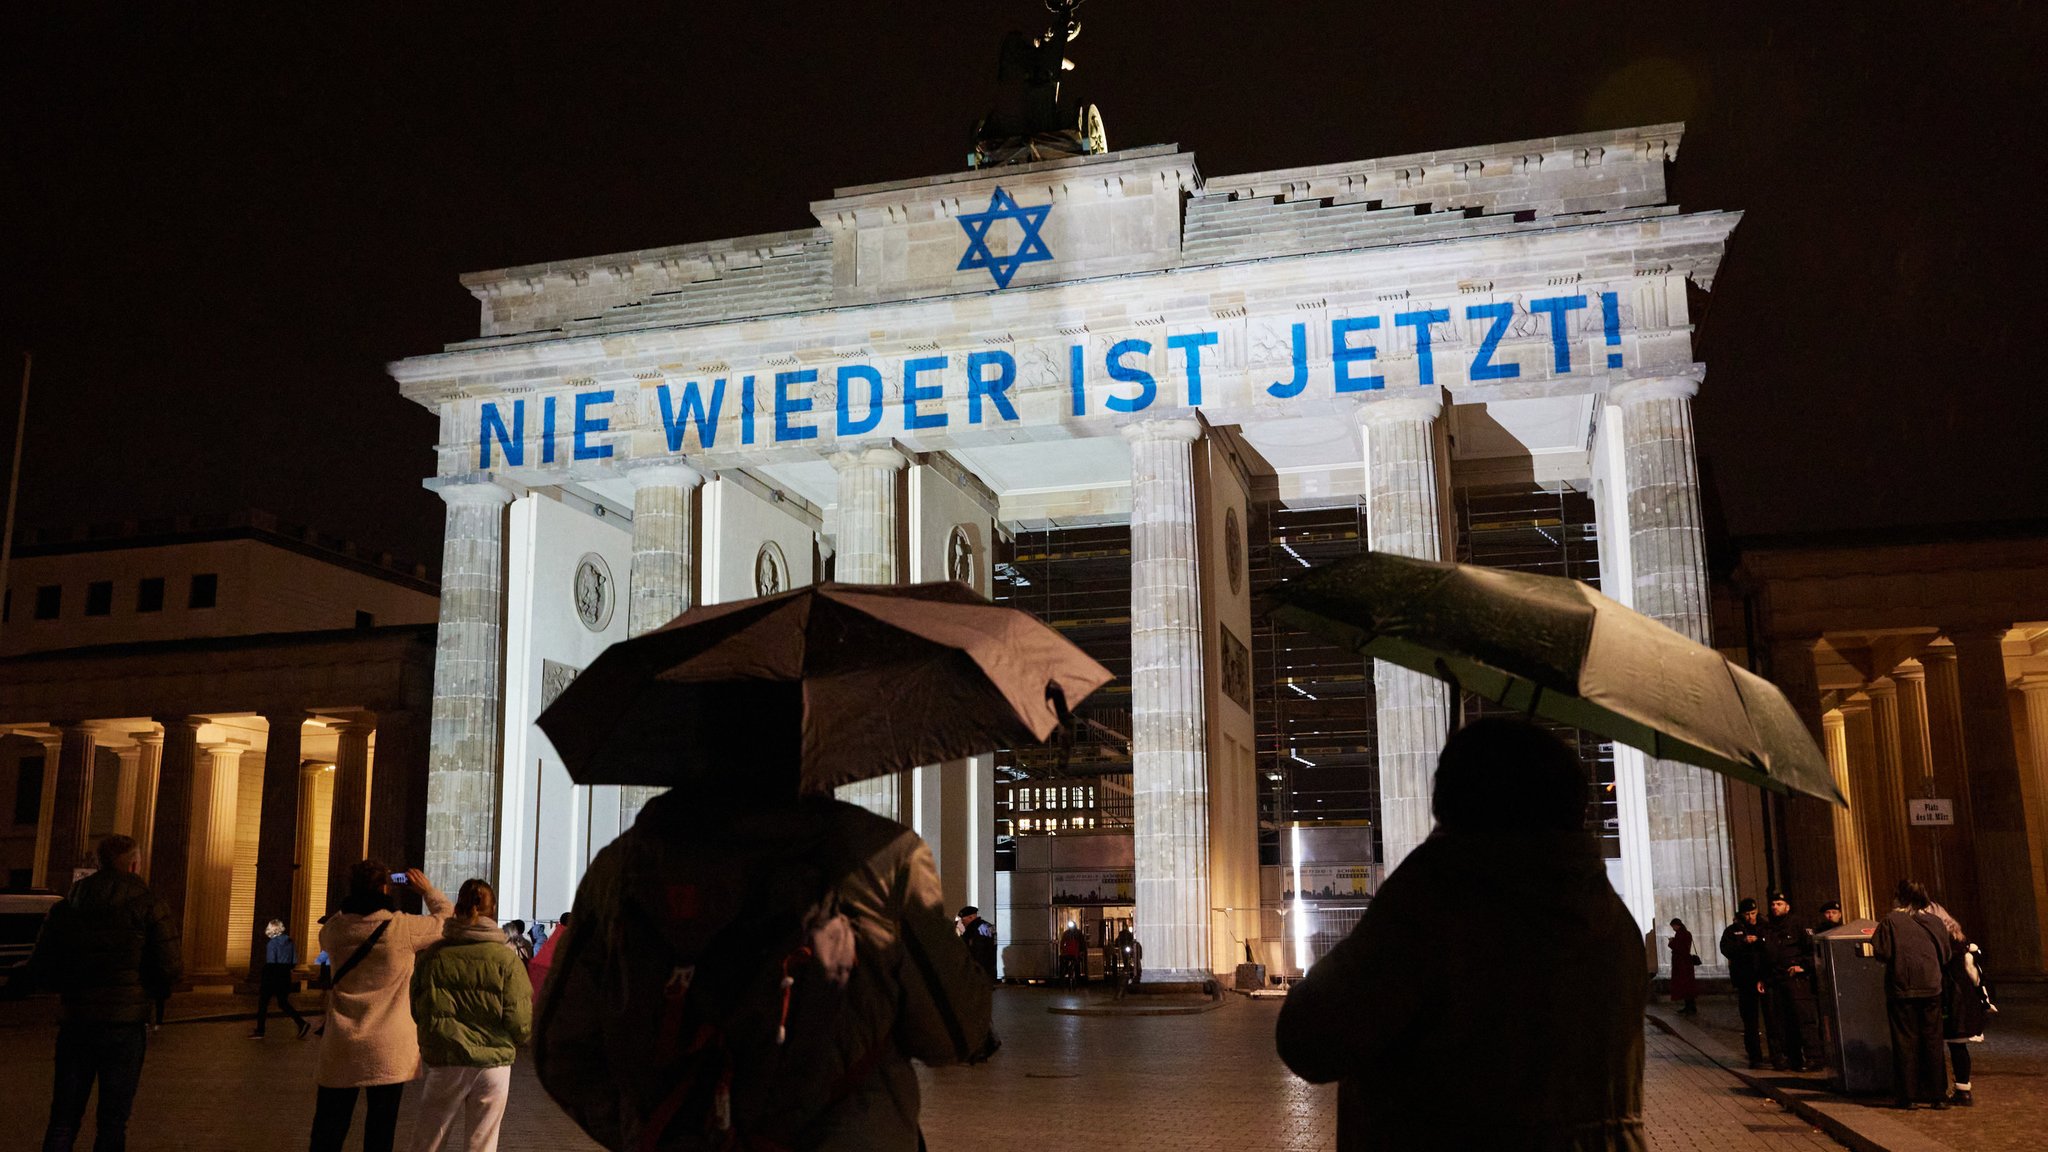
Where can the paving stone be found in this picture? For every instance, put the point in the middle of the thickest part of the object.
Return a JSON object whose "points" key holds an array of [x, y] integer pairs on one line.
{"points": [[1162, 1082]]}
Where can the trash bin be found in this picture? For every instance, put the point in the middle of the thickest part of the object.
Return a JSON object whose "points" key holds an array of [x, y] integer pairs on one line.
{"points": [[1250, 978], [1854, 1024]]}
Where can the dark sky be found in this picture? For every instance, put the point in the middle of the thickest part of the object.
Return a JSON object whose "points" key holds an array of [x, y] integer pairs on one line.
{"points": [[215, 230]]}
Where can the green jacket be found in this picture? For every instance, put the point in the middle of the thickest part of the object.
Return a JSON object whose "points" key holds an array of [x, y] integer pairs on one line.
{"points": [[471, 999], [111, 948]]}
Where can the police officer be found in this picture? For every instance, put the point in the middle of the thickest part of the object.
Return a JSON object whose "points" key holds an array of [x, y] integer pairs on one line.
{"points": [[1788, 978], [1830, 917], [981, 939], [1742, 947]]}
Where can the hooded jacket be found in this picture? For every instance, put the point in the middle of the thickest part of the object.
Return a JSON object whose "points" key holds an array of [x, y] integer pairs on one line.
{"points": [[470, 998], [370, 1038], [109, 948], [913, 993], [1433, 1050]]}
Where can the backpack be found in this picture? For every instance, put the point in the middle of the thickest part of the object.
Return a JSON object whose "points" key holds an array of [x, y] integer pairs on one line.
{"points": [[697, 1012]]}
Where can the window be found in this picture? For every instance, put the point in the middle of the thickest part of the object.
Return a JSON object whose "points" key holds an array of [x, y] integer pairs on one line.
{"points": [[99, 598], [28, 791], [365, 619], [149, 594], [49, 601], [205, 591]]}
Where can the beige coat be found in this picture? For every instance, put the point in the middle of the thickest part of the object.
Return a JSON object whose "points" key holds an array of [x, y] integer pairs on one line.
{"points": [[370, 1036]]}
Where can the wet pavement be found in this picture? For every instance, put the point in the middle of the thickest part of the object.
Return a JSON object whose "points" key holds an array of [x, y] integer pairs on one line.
{"points": [[1138, 1083]]}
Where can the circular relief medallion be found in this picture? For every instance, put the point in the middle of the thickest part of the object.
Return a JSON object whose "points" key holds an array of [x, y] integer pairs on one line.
{"points": [[960, 556], [771, 570], [594, 595], [1233, 549]]}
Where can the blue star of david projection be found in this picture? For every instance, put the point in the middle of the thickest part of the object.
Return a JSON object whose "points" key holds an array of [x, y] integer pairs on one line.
{"points": [[1002, 207]]}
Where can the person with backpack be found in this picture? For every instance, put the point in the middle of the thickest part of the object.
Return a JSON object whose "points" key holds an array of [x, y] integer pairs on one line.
{"points": [[474, 1009], [756, 970], [369, 1044]]}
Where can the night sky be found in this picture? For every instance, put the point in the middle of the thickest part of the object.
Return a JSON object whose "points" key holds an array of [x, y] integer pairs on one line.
{"points": [[215, 230]]}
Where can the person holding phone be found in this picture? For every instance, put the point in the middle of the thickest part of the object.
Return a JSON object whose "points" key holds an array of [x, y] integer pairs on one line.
{"points": [[371, 1045]]}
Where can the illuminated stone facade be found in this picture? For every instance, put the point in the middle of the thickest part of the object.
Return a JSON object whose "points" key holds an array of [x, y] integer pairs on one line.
{"points": [[998, 349]]}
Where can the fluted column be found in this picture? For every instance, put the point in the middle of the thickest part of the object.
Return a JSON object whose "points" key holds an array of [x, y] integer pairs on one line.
{"points": [[1852, 869], [215, 789], [664, 568], [870, 536], [1916, 770], [309, 867], [277, 829], [71, 812], [2008, 887], [1169, 741], [1885, 819], [465, 762], [1403, 518], [46, 807], [130, 759], [1956, 875], [1667, 550], [149, 761], [170, 849], [2033, 688], [348, 820], [1860, 738]]}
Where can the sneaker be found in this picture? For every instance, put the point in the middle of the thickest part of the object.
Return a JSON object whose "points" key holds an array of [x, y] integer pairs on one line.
{"points": [[1962, 1098]]}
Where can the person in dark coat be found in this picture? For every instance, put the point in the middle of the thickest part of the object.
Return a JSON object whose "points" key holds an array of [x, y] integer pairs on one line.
{"points": [[1914, 945], [280, 956], [1966, 1004], [981, 939], [105, 947], [1409, 1013], [1788, 983], [1830, 917], [1685, 984], [1742, 947]]}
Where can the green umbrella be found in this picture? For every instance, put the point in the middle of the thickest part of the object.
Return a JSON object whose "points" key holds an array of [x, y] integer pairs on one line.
{"points": [[1555, 648]]}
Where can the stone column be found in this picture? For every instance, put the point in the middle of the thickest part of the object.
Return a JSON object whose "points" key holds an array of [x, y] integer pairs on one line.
{"points": [[1852, 871], [71, 814], [149, 760], [664, 568], [1859, 734], [1916, 769], [870, 538], [1169, 733], [2033, 689], [277, 832], [1402, 518], [170, 848], [46, 807], [1810, 871], [2008, 884], [1956, 861], [308, 898], [466, 760], [213, 861], [1885, 813], [124, 789], [1688, 820], [349, 821]]}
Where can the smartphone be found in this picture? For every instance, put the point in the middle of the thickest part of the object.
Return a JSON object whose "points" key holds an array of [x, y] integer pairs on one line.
{"points": [[398, 878]]}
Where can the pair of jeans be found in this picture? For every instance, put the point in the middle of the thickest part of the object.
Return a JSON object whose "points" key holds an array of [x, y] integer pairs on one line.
{"points": [[477, 1095], [89, 1051], [334, 1108], [276, 985]]}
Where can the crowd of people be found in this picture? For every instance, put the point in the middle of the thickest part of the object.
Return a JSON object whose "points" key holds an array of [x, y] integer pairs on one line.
{"points": [[1935, 991]]}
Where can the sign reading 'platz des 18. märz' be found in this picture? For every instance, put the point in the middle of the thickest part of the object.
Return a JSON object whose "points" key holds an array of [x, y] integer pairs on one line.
{"points": [[1229, 363]]}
